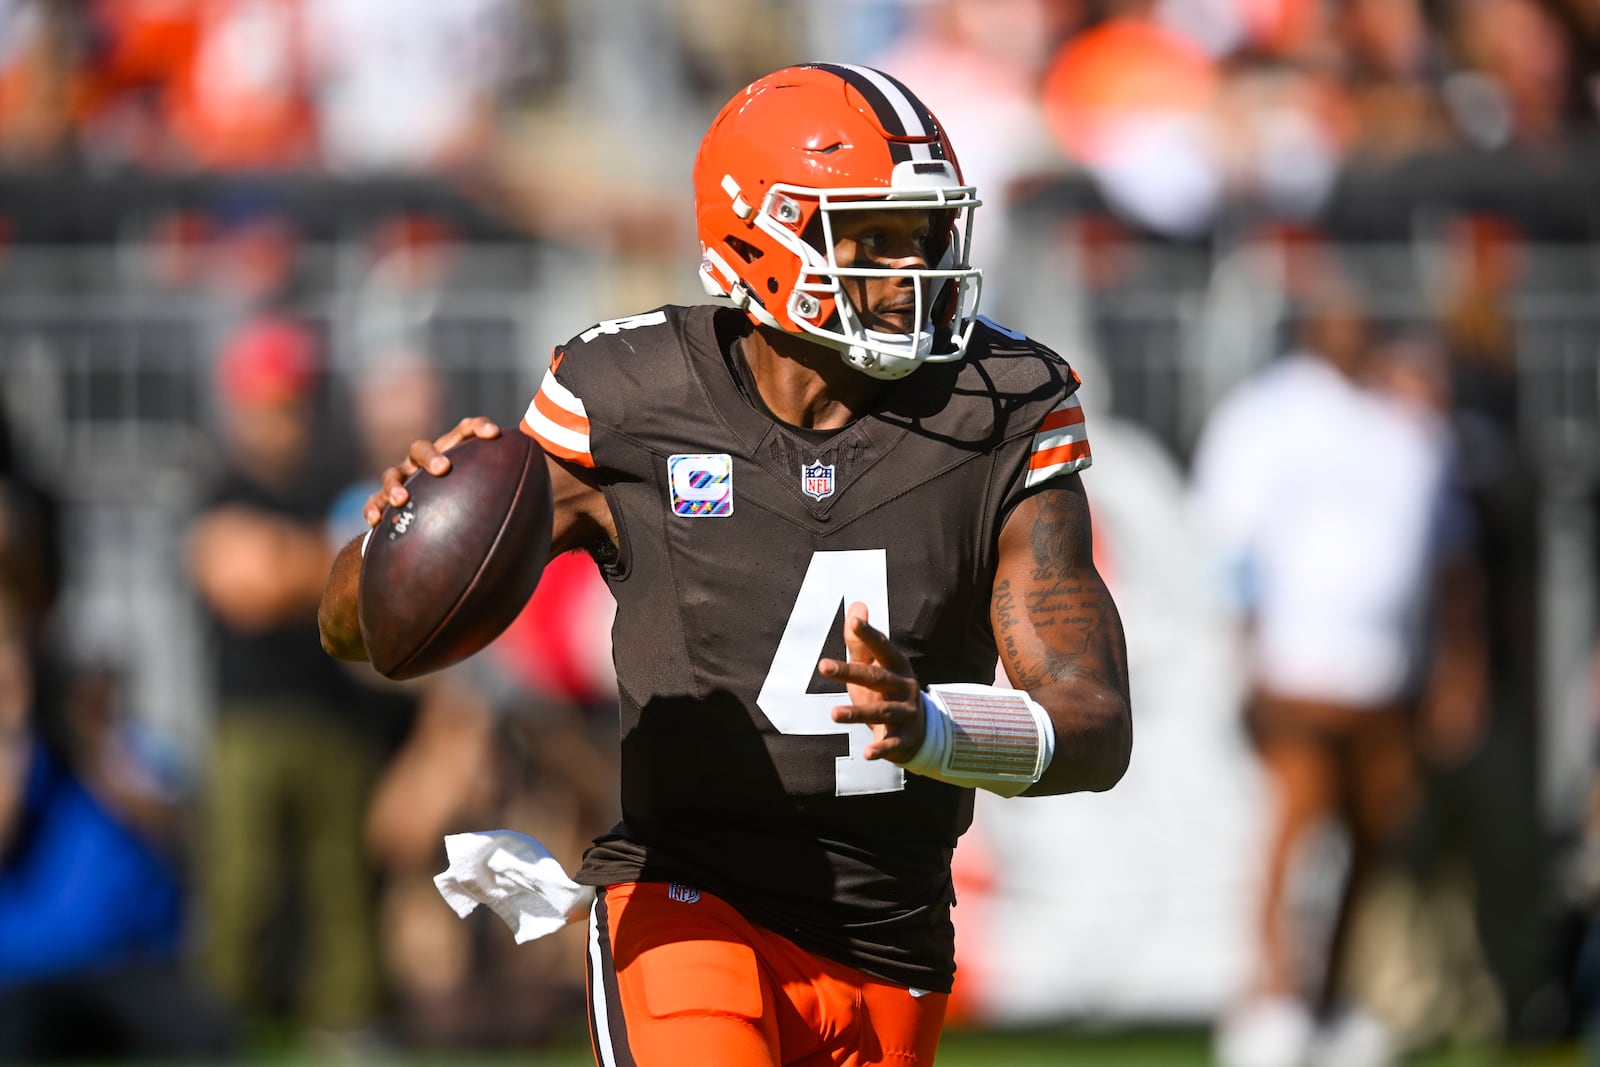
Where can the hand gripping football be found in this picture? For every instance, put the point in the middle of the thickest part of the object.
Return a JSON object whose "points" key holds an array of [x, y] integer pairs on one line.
{"points": [[444, 574]]}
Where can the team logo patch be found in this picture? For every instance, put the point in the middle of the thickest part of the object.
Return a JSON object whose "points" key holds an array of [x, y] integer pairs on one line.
{"points": [[816, 479], [701, 484], [400, 519], [684, 894]]}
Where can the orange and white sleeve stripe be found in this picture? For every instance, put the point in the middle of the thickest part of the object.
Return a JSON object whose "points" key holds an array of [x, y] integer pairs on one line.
{"points": [[558, 420], [1060, 445]]}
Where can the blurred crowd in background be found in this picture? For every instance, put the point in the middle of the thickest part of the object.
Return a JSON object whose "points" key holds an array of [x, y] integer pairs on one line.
{"points": [[1327, 268], [1178, 108]]}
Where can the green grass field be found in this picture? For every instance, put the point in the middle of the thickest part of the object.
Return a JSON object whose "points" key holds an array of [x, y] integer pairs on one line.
{"points": [[968, 1048]]}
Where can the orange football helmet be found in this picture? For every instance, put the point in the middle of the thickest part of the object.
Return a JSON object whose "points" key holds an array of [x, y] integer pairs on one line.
{"points": [[788, 152]]}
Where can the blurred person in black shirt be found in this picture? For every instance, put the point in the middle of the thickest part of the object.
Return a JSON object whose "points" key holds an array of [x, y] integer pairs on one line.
{"points": [[291, 764]]}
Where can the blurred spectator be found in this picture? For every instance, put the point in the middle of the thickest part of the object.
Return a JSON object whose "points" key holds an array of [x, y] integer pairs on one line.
{"points": [[1484, 783], [441, 723], [240, 101], [287, 888], [91, 849], [31, 575], [1390, 71], [406, 86], [1278, 130], [196, 85], [727, 44], [359, 86], [38, 64], [134, 51], [581, 159], [1322, 497], [1130, 101], [253, 259], [1176, 131], [92, 901], [1513, 85], [980, 63], [1586, 967], [446, 767], [391, 320], [32, 568], [1276, 28], [252, 263], [1417, 941]]}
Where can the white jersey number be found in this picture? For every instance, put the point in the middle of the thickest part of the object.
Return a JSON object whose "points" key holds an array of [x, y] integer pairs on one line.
{"points": [[631, 322], [832, 579]]}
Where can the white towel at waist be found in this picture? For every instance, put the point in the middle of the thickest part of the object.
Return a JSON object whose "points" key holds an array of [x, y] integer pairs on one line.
{"points": [[517, 877]]}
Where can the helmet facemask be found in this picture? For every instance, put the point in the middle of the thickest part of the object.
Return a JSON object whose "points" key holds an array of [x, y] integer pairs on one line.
{"points": [[947, 290]]}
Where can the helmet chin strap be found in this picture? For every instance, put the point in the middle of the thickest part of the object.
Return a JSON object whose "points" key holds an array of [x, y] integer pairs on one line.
{"points": [[875, 362], [887, 366]]}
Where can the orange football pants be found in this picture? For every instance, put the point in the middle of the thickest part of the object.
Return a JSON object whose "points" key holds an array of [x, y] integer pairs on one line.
{"points": [[678, 978]]}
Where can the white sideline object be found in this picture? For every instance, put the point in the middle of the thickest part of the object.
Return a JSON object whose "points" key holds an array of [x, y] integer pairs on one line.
{"points": [[517, 877]]}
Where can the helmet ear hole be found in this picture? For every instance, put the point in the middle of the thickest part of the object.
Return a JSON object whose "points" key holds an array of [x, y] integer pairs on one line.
{"points": [[745, 250], [772, 285]]}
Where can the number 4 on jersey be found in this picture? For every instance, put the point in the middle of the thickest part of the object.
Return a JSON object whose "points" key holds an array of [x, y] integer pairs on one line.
{"points": [[832, 579]]}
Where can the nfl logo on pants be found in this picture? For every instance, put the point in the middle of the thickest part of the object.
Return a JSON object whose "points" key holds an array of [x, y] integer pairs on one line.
{"points": [[816, 479]]}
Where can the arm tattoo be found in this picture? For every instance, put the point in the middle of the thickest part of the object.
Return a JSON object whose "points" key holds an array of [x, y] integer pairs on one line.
{"points": [[1063, 614], [1006, 618]]}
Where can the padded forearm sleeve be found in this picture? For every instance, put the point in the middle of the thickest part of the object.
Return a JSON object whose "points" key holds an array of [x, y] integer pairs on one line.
{"points": [[984, 737]]}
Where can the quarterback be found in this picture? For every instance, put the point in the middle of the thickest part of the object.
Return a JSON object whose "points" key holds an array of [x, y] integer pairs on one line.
{"points": [[828, 506]]}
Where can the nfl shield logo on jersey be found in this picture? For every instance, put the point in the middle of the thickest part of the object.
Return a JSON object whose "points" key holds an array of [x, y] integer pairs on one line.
{"points": [[817, 479]]}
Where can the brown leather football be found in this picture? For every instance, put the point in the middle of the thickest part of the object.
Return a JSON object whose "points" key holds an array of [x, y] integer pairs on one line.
{"points": [[447, 572]]}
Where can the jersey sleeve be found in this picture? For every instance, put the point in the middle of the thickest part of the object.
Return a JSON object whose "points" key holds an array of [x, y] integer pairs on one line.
{"points": [[1044, 430], [557, 418], [1060, 444], [607, 391]]}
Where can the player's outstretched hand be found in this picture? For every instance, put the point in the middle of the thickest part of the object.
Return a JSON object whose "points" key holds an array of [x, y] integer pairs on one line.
{"points": [[884, 693], [424, 455]]}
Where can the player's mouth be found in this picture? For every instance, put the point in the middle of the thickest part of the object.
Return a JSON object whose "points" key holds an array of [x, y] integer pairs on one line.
{"points": [[895, 318]]}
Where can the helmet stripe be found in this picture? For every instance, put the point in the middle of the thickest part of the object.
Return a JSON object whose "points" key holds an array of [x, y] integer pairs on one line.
{"points": [[900, 113]]}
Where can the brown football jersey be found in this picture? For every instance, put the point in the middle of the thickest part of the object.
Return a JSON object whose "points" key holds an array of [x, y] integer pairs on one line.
{"points": [[740, 542]]}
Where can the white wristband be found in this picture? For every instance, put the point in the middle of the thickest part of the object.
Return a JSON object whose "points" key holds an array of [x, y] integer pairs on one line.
{"points": [[984, 737]]}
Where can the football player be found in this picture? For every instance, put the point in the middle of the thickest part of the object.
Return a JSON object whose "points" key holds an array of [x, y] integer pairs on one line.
{"points": [[824, 508]]}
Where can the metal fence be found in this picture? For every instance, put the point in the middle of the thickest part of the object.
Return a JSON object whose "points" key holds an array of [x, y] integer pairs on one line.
{"points": [[105, 373]]}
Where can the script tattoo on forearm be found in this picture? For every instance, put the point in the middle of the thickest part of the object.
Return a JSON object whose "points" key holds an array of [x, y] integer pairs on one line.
{"points": [[1066, 605], [1007, 617]]}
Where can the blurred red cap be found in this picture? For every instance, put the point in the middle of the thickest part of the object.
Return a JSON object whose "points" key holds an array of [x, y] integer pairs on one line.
{"points": [[272, 360]]}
